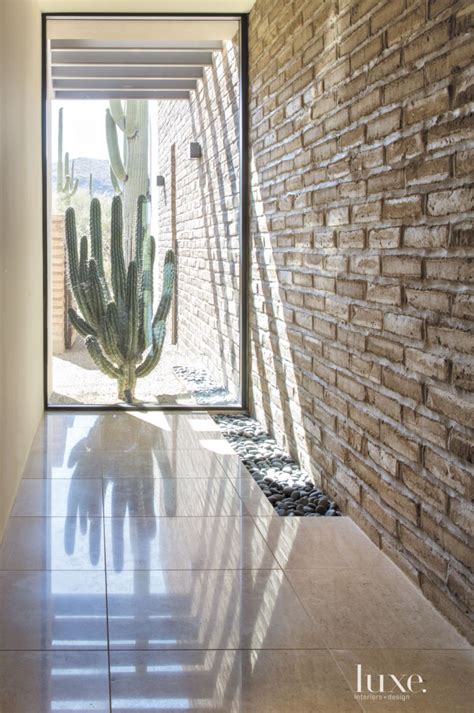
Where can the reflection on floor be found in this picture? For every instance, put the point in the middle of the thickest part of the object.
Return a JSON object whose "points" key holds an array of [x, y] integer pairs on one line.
{"points": [[143, 570]]}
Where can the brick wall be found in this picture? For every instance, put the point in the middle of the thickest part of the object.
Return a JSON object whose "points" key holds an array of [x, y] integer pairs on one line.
{"points": [[362, 293], [198, 214]]}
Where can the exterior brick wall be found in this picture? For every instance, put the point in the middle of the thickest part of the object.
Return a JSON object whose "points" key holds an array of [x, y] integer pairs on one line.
{"points": [[198, 214], [362, 296]]}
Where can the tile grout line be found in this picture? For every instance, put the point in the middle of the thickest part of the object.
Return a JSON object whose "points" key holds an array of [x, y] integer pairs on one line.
{"points": [[109, 676]]}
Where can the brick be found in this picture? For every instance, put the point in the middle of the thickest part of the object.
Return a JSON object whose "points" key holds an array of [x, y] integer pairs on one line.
{"points": [[384, 125], [424, 236], [435, 525], [337, 216], [365, 420], [384, 237], [463, 376], [427, 364], [409, 207], [351, 239], [379, 512], [425, 428], [422, 171], [366, 105], [397, 31], [371, 318], [451, 405], [431, 40], [426, 107], [382, 458], [351, 288], [403, 325], [348, 482], [405, 446], [366, 368], [366, 53], [401, 266], [425, 489], [462, 515], [385, 294], [367, 212], [454, 269], [461, 446], [404, 148], [459, 200], [402, 384], [388, 406], [365, 264], [351, 387], [428, 300], [386, 181], [454, 339], [399, 89], [417, 545], [389, 11], [449, 472], [385, 348]]}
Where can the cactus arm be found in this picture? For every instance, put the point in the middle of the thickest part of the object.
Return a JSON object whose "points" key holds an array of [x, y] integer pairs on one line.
{"points": [[131, 121], [84, 260], [115, 183], [96, 235], [113, 147], [169, 270], [83, 327], [154, 355], [91, 185], [74, 188], [119, 277], [118, 115], [146, 310], [100, 359], [132, 311], [140, 231]]}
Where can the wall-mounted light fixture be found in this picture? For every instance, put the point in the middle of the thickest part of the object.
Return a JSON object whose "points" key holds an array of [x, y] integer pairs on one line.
{"points": [[195, 150], [160, 180]]}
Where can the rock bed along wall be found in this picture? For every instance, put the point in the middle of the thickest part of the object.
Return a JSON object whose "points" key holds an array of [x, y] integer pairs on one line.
{"points": [[198, 215], [288, 488], [362, 141]]}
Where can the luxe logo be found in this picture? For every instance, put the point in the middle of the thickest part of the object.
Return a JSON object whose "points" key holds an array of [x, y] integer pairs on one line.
{"points": [[387, 686]]}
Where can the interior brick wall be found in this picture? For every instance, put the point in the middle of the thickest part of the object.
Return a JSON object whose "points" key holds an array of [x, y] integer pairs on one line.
{"points": [[362, 294], [198, 215]]}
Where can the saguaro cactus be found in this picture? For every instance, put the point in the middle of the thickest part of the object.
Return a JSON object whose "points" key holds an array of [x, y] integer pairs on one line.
{"points": [[66, 184], [129, 169], [113, 318]]}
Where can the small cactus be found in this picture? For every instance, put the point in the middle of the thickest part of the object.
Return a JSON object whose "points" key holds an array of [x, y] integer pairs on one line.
{"points": [[66, 184], [113, 318]]}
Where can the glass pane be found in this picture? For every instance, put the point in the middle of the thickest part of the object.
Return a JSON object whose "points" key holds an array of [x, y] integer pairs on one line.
{"points": [[136, 319]]}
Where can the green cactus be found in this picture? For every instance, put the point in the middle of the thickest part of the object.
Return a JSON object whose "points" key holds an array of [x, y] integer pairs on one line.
{"points": [[66, 184], [113, 318], [130, 173]]}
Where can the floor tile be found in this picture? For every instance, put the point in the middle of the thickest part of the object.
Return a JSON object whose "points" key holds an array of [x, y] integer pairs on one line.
{"points": [[446, 685], [229, 681], [77, 464], [255, 501], [48, 498], [146, 497], [42, 681], [52, 610], [153, 430], [186, 543], [384, 609], [217, 609], [44, 543], [310, 543], [191, 463]]}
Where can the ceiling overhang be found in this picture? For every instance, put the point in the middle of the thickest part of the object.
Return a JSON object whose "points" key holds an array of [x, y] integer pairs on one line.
{"points": [[131, 57]]}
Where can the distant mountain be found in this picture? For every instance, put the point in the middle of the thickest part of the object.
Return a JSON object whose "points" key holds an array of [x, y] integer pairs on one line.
{"points": [[100, 170]]}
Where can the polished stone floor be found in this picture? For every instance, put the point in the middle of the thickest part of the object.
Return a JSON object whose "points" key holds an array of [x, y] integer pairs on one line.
{"points": [[143, 570]]}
